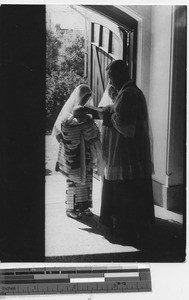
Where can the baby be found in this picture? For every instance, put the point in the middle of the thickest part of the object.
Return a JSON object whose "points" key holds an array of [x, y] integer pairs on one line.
{"points": [[79, 116]]}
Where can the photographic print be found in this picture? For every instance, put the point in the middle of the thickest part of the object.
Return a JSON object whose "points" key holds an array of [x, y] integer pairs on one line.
{"points": [[115, 133], [93, 133]]}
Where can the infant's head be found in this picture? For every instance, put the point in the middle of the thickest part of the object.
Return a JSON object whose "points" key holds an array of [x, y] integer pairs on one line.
{"points": [[79, 112]]}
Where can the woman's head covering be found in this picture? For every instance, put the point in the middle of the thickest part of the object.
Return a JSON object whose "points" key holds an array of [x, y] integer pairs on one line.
{"points": [[109, 96], [74, 100]]}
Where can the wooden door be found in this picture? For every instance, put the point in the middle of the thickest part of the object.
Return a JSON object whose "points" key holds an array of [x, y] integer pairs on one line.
{"points": [[107, 41]]}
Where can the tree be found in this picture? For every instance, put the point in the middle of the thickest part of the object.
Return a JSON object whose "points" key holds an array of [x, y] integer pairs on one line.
{"points": [[62, 75], [74, 59], [52, 52]]}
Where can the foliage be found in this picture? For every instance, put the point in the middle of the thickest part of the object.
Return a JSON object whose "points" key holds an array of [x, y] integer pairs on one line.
{"points": [[65, 70], [52, 52], [75, 57]]}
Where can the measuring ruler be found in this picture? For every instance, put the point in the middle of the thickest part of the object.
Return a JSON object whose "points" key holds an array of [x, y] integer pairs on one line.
{"points": [[71, 280]]}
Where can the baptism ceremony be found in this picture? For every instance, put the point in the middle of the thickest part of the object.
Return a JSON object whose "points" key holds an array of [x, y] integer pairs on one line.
{"points": [[93, 138]]}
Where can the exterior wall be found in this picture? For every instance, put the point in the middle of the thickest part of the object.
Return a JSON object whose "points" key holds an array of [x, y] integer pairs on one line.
{"points": [[176, 177], [160, 86], [155, 72], [160, 64], [178, 106]]}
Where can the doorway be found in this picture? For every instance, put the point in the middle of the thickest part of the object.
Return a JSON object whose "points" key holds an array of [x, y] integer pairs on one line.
{"points": [[79, 52]]}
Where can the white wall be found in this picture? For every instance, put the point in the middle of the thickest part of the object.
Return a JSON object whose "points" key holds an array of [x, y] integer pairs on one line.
{"points": [[160, 85], [155, 31], [161, 76], [178, 104]]}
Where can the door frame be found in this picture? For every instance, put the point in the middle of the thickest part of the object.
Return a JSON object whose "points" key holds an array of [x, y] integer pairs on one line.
{"points": [[140, 26], [139, 54]]}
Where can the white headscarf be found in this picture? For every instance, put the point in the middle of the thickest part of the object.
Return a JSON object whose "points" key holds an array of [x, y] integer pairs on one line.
{"points": [[67, 110], [106, 98]]}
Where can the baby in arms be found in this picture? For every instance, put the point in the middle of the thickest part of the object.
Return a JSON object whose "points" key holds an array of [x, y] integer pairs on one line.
{"points": [[79, 115]]}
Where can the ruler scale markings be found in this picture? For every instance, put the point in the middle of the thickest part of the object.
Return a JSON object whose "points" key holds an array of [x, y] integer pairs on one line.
{"points": [[95, 279], [33, 288], [64, 287], [110, 285], [145, 276], [8, 289], [132, 285]]}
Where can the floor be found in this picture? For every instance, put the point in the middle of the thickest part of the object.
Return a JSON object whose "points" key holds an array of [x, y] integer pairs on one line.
{"points": [[68, 240]]}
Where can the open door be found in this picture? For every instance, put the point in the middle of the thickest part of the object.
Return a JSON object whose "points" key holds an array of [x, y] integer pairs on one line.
{"points": [[107, 41]]}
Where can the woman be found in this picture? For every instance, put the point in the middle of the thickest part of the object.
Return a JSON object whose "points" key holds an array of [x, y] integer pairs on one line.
{"points": [[127, 198], [79, 142]]}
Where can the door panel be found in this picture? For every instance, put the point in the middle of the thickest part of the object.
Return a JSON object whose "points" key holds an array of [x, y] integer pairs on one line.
{"points": [[107, 41]]}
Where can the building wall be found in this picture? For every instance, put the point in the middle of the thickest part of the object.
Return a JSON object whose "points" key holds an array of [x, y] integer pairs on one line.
{"points": [[155, 73], [160, 57], [159, 88], [177, 161]]}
